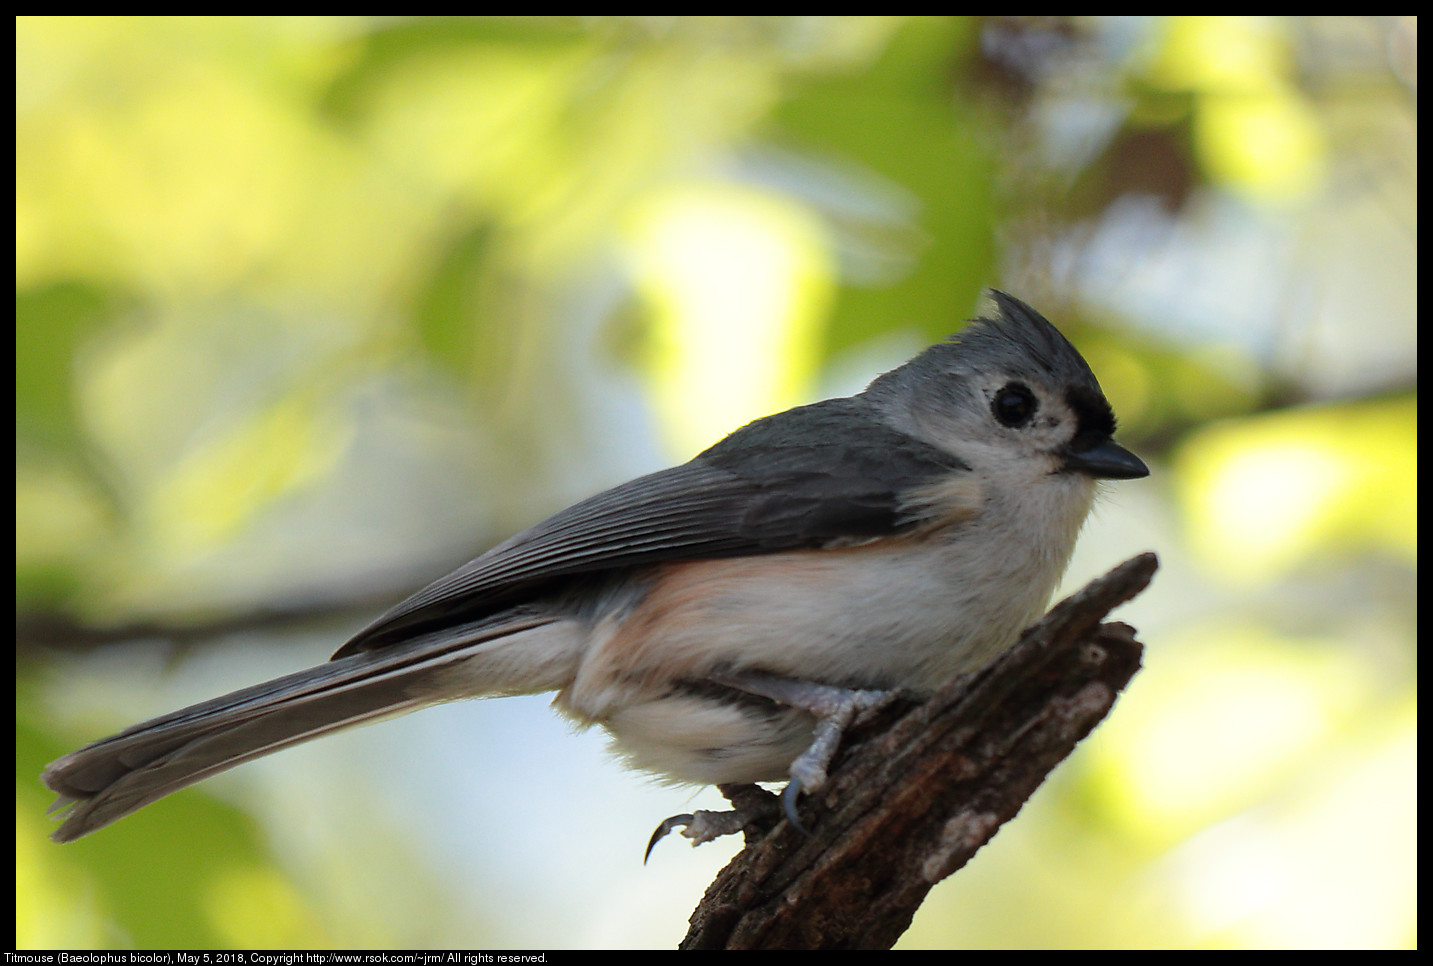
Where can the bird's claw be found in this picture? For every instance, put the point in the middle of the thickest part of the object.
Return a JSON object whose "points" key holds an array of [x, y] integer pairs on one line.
{"points": [[788, 805], [751, 805], [662, 830]]}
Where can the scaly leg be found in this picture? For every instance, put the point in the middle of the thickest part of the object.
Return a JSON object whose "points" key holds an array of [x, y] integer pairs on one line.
{"points": [[835, 710]]}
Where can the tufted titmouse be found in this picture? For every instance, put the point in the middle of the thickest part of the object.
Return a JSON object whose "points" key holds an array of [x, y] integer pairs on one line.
{"points": [[725, 618]]}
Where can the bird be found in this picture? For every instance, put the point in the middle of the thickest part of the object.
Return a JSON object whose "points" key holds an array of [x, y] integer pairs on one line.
{"points": [[724, 619]]}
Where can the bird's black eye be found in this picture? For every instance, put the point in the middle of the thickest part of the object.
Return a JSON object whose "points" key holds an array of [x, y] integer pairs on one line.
{"points": [[1014, 405]]}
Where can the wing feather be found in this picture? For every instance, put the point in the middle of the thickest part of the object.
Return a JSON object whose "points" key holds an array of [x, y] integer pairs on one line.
{"points": [[803, 478]]}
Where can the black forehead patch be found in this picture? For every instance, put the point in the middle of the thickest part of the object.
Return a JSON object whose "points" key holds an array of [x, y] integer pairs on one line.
{"points": [[1094, 419]]}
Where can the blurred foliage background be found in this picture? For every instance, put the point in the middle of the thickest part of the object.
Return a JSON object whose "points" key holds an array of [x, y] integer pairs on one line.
{"points": [[309, 310]]}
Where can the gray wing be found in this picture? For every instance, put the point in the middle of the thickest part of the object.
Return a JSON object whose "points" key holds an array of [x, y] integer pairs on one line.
{"points": [[802, 478]]}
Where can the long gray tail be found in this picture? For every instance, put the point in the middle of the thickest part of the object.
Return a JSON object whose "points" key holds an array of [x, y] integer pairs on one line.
{"points": [[106, 780]]}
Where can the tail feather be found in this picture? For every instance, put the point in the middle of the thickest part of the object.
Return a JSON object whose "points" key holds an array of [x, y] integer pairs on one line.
{"points": [[113, 777]]}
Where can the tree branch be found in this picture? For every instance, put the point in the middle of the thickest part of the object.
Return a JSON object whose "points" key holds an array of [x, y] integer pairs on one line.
{"points": [[917, 790]]}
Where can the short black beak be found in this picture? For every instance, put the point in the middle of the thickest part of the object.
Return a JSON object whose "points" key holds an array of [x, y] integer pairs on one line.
{"points": [[1107, 461]]}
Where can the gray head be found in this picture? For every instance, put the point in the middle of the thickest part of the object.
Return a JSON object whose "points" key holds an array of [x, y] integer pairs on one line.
{"points": [[1011, 397]]}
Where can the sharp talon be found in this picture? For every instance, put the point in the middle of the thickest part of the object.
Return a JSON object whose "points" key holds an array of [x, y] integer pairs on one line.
{"points": [[788, 805], [662, 831]]}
